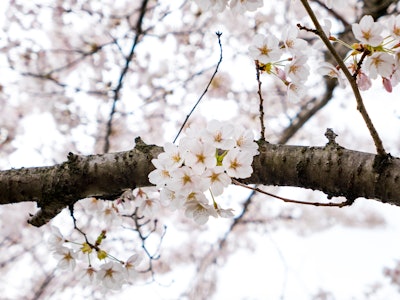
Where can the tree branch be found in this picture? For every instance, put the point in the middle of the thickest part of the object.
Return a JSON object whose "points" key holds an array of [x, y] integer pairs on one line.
{"points": [[334, 170]]}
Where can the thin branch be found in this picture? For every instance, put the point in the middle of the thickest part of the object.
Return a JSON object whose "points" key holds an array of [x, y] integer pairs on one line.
{"points": [[360, 104], [206, 89], [261, 106], [330, 204], [117, 89]]}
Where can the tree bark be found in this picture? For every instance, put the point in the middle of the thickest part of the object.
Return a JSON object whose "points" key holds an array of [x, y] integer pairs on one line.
{"points": [[332, 169]]}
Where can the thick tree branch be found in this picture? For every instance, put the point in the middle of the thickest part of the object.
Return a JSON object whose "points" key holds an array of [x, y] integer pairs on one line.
{"points": [[331, 169]]}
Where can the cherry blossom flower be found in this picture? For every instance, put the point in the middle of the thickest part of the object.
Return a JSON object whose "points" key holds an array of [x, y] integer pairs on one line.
{"points": [[200, 156], [161, 175], [220, 135], [368, 31], [149, 207], [363, 81], [111, 275], [241, 6], [132, 264], [237, 164], [67, 258], [244, 140], [199, 211], [295, 91], [171, 156], [379, 63], [265, 49], [292, 43], [109, 215], [124, 202], [218, 180], [224, 213], [186, 181], [174, 200], [330, 70], [394, 27], [298, 70], [89, 277], [56, 239]]}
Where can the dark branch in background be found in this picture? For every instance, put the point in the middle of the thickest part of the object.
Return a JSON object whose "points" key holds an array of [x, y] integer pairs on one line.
{"points": [[43, 286], [117, 89], [335, 14], [206, 89]]}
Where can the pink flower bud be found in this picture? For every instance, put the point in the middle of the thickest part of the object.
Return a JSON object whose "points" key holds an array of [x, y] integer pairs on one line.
{"points": [[387, 84]]}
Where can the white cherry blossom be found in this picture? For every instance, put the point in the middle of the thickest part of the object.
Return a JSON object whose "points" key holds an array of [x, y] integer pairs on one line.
{"points": [[298, 69], [295, 91], [265, 49], [89, 276], [131, 265], [149, 207], [67, 258], [172, 155], [173, 200], [218, 180], [330, 70], [379, 63], [200, 156], [199, 211], [161, 175], [220, 135], [394, 27], [56, 239], [244, 140], [368, 31], [186, 181], [292, 43], [237, 164], [111, 275]]}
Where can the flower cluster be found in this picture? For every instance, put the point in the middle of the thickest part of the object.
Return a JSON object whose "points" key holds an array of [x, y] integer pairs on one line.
{"points": [[375, 53], [268, 51], [111, 273], [205, 160], [237, 6]]}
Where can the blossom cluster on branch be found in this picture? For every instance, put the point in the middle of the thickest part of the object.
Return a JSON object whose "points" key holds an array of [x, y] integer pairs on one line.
{"points": [[375, 53], [205, 160], [111, 274]]}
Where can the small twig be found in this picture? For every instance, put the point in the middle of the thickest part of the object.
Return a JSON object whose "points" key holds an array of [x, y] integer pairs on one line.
{"points": [[360, 62], [360, 104], [71, 212], [206, 89], [261, 107], [336, 204]]}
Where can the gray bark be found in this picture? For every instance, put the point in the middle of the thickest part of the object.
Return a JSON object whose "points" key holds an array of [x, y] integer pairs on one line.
{"points": [[331, 169]]}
